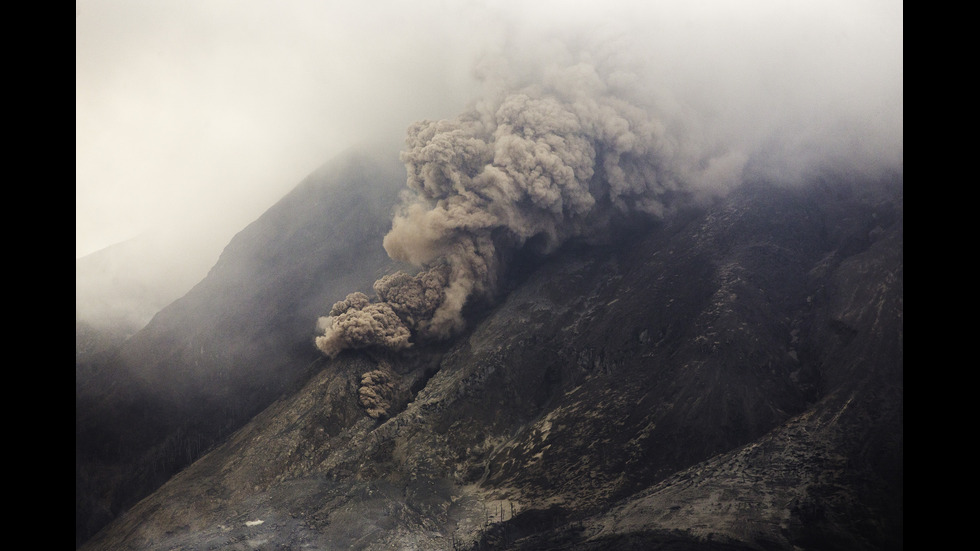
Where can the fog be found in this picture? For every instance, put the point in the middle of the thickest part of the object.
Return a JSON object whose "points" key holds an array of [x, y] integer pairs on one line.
{"points": [[193, 118], [206, 113]]}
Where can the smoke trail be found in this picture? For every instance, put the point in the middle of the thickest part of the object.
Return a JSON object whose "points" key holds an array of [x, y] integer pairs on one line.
{"points": [[556, 158]]}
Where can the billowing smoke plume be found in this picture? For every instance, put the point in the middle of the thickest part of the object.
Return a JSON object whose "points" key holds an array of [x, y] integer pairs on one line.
{"points": [[571, 137], [406, 303], [550, 160], [377, 392]]}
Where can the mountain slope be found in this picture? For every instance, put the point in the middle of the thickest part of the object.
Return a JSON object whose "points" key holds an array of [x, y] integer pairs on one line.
{"points": [[732, 378], [235, 342]]}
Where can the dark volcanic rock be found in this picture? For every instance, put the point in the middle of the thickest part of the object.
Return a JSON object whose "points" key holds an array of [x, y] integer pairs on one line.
{"points": [[730, 379]]}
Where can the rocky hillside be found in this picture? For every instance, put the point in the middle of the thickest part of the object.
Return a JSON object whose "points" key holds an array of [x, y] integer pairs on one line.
{"points": [[731, 378], [149, 405]]}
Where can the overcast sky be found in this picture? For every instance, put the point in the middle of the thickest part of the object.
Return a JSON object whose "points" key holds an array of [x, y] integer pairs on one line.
{"points": [[208, 111]]}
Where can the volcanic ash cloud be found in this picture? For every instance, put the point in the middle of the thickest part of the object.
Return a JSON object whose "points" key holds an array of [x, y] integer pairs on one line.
{"points": [[549, 160]]}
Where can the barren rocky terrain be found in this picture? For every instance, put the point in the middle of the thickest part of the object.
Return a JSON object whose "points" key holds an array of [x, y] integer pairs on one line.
{"points": [[730, 378]]}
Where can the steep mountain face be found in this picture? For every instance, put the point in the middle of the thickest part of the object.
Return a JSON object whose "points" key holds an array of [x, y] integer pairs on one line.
{"points": [[731, 378], [149, 405]]}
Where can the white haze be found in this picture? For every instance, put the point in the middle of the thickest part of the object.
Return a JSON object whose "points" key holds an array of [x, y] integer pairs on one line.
{"points": [[203, 114], [206, 112]]}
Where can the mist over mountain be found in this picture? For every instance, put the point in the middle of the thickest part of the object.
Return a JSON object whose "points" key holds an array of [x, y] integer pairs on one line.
{"points": [[118, 289], [644, 291]]}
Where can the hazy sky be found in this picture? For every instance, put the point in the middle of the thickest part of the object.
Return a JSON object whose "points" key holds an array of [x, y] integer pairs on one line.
{"points": [[214, 109], [203, 113]]}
